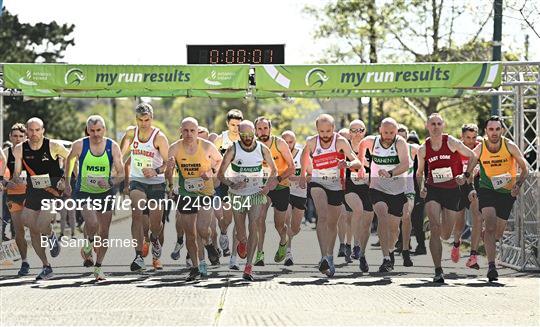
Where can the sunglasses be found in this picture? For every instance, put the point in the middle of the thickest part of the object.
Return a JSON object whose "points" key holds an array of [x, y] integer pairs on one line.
{"points": [[357, 130], [247, 134]]}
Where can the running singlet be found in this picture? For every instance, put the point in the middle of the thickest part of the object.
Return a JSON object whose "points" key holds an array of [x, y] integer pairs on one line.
{"points": [[385, 159], [247, 167], [443, 165], [226, 142], [145, 155], [295, 185], [465, 161], [325, 166], [497, 170], [190, 169], [281, 165], [352, 174], [19, 189], [44, 171], [94, 170]]}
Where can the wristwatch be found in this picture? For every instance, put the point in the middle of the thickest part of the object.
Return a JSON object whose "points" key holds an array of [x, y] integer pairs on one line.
{"points": [[467, 174]]}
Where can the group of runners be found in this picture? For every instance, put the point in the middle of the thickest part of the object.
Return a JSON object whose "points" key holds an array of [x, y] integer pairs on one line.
{"points": [[237, 175]]}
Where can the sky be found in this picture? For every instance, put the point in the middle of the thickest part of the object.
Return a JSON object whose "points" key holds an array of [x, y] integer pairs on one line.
{"points": [[156, 32]]}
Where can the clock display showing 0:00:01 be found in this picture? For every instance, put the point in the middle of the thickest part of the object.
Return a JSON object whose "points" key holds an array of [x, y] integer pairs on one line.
{"points": [[240, 56]]}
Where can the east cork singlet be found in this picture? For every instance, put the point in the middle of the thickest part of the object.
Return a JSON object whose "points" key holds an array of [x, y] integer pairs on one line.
{"points": [[497, 169], [190, 169], [43, 171], [443, 165], [145, 155], [385, 159], [94, 170], [246, 166]]}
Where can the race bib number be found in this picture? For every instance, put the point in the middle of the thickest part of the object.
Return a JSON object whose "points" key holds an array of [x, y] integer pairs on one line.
{"points": [[441, 175], [194, 184], [142, 162], [328, 177], [40, 181], [355, 178], [96, 181], [500, 181]]}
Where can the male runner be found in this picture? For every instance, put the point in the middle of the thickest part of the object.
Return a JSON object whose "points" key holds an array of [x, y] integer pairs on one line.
{"points": [[445, 176], [147, 147], [279, 196], [246, 192], [498, 185], [328, 151]]}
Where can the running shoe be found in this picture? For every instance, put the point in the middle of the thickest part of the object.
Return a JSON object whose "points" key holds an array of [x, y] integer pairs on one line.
{"points": [[226, 252], [189, 263], [420, 250], [145, 248], [157, 264], [46, 273], [332, 270], [439, 278], [138, 264], [156, 248], [356, 252], [348, 253], [213, 254], [492, 275], [407, 262], [324, 266], [25, 269], [224, 242], [259, 259], [364, 267], [86, 254], [54, 245], [454, 254], [280, 253], [175, 254], [98, 274], [241, 249], [376, 244], [386, 266], [341, 252], [392, 259], [203, 269], [248, 273], [472, 262], [193, 274], [289, 259], [232, 263]]}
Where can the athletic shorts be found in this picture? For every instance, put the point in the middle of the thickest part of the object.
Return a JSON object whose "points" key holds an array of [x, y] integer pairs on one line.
{"points": [[280, 198], [15, 202], [188, 204], [297, 202], [98, 200], [363, 193], [152, 191], [223, 192], [394, 202], [242, 203], [448, 198], [34, 197], [502, 202], [335, 198]]}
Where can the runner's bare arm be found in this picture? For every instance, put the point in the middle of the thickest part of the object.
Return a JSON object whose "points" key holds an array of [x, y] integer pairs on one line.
{"points": [[227, 158], [215, 157], [58, 150], [162, 144], [267, 156], [366, 143], [342, 145], [518, 156], [126, 141], [458, 146], [117, 163], [73, 156], [171, 163], [127, 171], [304, 158], [286, 152], [421, 166], [17, 154], [3, 163], [219, 141], [403, 154]]}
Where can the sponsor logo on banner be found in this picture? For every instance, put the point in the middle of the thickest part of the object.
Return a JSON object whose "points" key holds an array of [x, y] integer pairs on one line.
{"points": [[216, 78], [74, 76], [316, 77]]}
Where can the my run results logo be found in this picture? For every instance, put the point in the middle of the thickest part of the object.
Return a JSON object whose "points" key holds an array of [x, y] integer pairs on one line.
{"points": [[119, 77]]}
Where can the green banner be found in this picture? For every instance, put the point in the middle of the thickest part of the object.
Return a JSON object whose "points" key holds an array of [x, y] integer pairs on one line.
{"points": [[45, 80], [287, 78], [399, 92]]}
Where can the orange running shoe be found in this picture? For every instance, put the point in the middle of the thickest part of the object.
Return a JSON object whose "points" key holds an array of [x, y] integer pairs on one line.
{"points": [[241, 248], [157, 264]]}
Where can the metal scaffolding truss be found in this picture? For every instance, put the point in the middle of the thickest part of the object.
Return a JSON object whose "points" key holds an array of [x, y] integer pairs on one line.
{"points": [[519, 99]]}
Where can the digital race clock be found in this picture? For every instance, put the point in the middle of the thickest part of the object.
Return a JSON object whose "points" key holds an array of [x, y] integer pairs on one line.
{"points": [[236, 54]]}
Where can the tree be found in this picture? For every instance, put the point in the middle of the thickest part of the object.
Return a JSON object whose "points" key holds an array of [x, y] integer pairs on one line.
{"points": [[24, 43]]}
